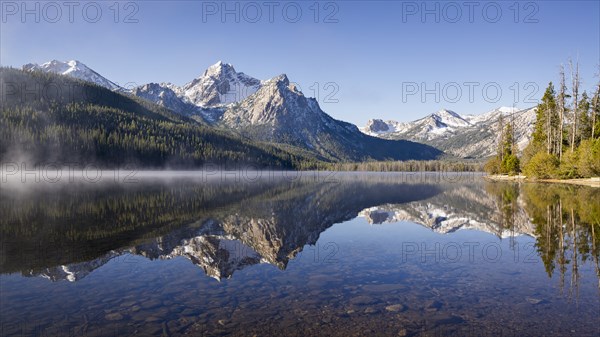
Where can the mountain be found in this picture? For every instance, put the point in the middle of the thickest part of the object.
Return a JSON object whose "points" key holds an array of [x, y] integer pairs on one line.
{"points": [[279, 112], [272, 111], [275, 111], [74, 69], [205, 97], [465, 136], [220, 84]]}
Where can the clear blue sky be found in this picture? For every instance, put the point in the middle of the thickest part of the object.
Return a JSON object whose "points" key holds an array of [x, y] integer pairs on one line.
{"points": [[375, 53]]}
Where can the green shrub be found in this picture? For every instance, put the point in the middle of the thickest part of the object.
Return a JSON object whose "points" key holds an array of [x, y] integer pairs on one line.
{"points": [[568, 168], [589, 158], [542, 166]]}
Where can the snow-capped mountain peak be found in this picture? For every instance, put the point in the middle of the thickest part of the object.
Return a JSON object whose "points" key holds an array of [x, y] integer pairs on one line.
{"points": [[493, 114], [218, 68], [507, 109], [280, 84], [220, 84], [450, 118], [75, 69]]}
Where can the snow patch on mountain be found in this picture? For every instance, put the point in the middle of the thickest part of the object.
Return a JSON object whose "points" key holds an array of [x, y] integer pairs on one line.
{"points": [[163, 94], [437, 123], [74, 69]]}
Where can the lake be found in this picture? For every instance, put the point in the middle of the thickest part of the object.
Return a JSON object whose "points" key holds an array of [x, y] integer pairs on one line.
{"points": [[310, 253]]}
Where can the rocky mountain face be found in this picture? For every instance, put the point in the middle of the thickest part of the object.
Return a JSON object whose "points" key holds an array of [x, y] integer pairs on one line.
{"points": [[279, 112], [220, 84], [163, 95], [276, 111], [465, 136], [206, 96]]}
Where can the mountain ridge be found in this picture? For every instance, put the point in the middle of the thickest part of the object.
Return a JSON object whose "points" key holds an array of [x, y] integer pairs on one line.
{"points": [[76, 69], [465, 136], [273, 111]]}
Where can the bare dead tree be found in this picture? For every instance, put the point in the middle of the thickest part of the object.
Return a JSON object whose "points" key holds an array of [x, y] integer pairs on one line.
{"points": [[501, 139], [562, 248], [575, 83], [595, 102], [512, 130], [561, 110], [548, 129], [595, 107]]}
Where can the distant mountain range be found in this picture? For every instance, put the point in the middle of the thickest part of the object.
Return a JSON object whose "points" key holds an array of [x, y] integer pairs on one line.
{"points": [[274, 110], [464, 136]]}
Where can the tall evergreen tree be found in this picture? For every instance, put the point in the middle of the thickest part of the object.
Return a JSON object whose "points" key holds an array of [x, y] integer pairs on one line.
{"points": [[585, 125], [500, 151], [546, 121]]}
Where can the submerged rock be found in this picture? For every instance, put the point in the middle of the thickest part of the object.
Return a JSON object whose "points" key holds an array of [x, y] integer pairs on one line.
{"points": [[533, 300], [395, 307], [371, 310]]}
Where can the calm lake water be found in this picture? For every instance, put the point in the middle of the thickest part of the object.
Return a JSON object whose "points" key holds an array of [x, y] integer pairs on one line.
{"points": [[343, 254]]}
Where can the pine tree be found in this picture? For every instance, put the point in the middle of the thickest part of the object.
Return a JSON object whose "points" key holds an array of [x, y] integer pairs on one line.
{"points": [[585, 126], [510, 161], [500, 151], [546, 121]]}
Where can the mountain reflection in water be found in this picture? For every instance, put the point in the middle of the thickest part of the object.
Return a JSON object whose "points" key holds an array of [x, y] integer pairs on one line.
{"points": [[67, 232], [220, 226]]}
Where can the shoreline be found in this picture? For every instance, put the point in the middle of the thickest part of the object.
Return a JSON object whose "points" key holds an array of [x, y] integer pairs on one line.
{"points": [[591, 182]]}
